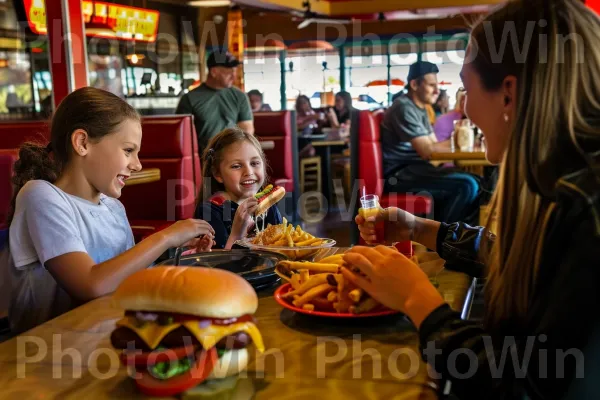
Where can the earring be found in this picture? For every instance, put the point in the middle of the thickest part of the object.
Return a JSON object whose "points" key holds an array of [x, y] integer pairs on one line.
{"points": [[505, 117]]}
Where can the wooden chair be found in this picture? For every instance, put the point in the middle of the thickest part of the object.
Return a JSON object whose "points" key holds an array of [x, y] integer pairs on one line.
{"points": [[310, 174], [310, 180]]}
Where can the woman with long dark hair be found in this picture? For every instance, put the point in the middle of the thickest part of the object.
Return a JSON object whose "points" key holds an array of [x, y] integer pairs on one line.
{"points": [[536, 102]]}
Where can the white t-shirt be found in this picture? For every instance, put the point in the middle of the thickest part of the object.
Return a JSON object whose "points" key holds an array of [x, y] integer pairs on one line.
{"points": [[48, 223]]}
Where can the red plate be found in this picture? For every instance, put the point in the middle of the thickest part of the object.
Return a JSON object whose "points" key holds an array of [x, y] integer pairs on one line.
{"points": [[281, 290]]}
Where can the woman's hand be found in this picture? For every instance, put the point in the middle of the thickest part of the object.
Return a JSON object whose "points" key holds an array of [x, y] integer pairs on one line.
{"points": [[393, 280], [186, 232], [242, 222], [399, 226]]}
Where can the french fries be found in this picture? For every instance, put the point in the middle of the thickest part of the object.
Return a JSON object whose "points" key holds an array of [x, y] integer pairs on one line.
{"points": [[320, 286], [316, 280], [311, 294], [286, 235]]}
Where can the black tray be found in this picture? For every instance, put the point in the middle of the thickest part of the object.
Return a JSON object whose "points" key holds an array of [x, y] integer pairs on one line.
{"points": [[255, 266]]}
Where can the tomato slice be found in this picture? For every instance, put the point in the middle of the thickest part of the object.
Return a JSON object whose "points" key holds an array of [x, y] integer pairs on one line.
{"points": [[150, 358], [205, 362]]}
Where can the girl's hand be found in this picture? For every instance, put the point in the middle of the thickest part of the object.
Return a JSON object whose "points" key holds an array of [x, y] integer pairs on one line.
{"points": [[399, 226], [242, 221], [205, 243], [183, 232], [393, 280]]}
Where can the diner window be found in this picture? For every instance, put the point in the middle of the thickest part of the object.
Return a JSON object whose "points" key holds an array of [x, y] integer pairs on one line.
{"points": [[168, 67], [367, 76], [105, 73], [190, 59], [140, 80], [263, 73], [316, 75], [403, 53], [191, 69], [16, 95]]}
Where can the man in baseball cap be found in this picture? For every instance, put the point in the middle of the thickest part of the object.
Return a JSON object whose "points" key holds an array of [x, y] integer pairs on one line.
{"points": [[408, 140], [216, 104]]}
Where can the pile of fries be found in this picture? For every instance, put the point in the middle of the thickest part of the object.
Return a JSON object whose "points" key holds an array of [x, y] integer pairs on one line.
{"points": [[285, 235], [320, 286]]}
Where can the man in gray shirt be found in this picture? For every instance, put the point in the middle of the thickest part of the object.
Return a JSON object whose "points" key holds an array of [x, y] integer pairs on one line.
{"points": [[408, 139], [216, 104]]}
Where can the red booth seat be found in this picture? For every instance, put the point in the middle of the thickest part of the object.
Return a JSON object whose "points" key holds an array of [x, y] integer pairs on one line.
{"points": [[7, 161], [12, 134], [280, 128], [369, 162], [370, 168], [277, 127], [169, 143]]}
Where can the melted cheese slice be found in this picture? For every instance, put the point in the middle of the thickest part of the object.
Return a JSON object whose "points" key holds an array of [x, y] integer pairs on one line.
{"points": [[152, 333]]}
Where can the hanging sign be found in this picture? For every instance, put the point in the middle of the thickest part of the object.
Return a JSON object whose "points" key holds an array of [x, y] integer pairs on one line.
{"points": [[108, 20]]}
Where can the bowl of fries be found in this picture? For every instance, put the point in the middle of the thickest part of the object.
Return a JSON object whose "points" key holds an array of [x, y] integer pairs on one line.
{"points": [[293, 242], [319, 288]]}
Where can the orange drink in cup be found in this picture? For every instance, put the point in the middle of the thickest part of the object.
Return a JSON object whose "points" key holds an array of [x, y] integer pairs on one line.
{"points": [[371, 208]]}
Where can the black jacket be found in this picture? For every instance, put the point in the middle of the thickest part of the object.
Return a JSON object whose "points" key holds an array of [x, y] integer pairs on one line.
{"points": [[562, 313]]}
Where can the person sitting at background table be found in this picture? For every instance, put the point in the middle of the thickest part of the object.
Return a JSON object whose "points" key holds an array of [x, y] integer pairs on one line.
{"points": [[234, 167], [339, 116], [542, 273], [307, 121], [407, 142], [441, 105], [444, 125], [69, 237], [217, 104], [342, 110], [256, 101]]}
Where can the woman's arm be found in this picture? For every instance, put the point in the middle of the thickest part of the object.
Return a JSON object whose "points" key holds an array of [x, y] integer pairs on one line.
{"points": [[547, 349], [333, 120], [457, 243]]}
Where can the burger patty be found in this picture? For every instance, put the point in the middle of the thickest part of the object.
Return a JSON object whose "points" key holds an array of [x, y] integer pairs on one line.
{"points": [[179, 337]]}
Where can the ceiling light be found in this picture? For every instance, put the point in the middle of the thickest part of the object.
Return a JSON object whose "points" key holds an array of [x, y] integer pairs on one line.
{"points": [[209, 3]]}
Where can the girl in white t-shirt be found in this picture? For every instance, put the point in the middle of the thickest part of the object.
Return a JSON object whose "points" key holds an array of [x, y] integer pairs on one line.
{"points": [[69, 238]]}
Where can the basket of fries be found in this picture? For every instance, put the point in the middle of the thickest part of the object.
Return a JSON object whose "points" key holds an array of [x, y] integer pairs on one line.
{"points": [[319, 288], [290, 241]]}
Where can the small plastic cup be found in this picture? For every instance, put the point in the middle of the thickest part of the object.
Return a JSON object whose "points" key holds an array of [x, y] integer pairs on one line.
{"points": [[370, 208]]}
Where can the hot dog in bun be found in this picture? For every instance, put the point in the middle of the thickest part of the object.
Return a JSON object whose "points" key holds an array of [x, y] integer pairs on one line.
{"points": [[183, 326], [269, 196]]}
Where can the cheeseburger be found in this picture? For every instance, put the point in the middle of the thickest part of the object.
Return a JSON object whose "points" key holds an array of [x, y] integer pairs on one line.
{"points": [[183, 326]]}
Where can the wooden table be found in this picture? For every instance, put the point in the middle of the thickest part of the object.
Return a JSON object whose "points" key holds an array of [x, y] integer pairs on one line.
{"points": [[472, 161], [477, 155], [306, 358], [144, 176]]}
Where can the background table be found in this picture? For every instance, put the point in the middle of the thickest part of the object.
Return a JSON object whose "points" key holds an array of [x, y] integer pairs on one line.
{"points": [[376, 357], [458, 155], [144, 176], [472, 161], [323, 150]]}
